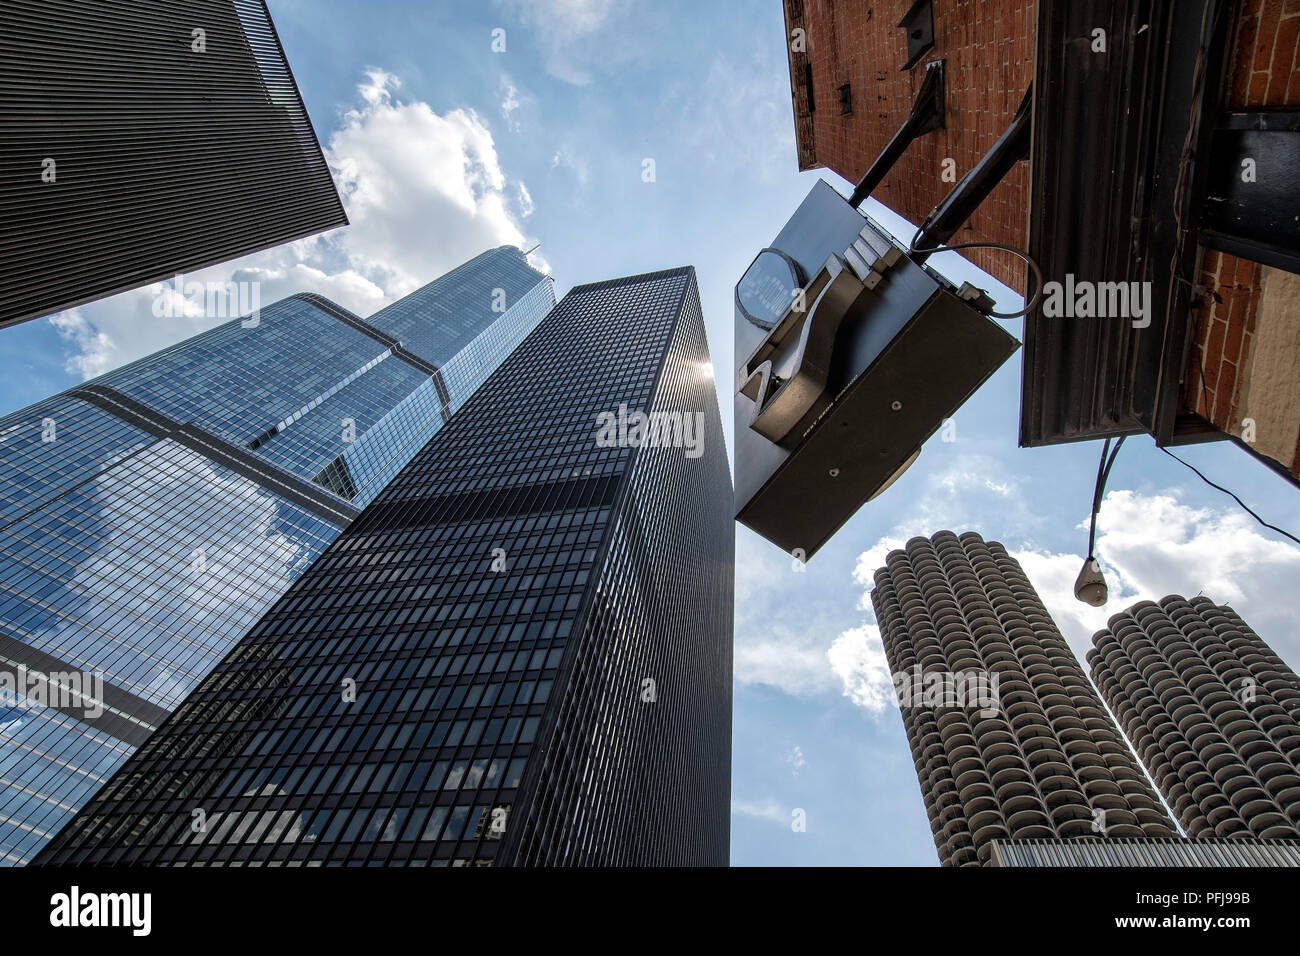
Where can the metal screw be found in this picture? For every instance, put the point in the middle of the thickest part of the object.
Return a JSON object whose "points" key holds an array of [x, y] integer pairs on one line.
{"points": [[896, 405], [835, 472]]}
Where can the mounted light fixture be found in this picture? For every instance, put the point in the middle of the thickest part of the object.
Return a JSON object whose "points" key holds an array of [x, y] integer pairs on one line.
{"points": [[1090, 586], [851, 351], [850, 355]]}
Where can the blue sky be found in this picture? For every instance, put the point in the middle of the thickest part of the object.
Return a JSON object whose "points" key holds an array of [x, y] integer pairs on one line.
{"points": [[443, 147]]}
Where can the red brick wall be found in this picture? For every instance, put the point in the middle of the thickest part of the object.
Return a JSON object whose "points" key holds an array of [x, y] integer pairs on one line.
{"points": [[988, 46], [1224, 337], [1263, 70]]}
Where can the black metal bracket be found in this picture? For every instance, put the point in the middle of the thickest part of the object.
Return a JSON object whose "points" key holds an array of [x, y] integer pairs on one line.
{"points": [[955, 208], [918, 21], [927, 115], [1253, 181]]}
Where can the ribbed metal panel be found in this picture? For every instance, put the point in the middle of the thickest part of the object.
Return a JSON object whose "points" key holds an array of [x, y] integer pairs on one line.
{"points": [[166, 159], [1146, 852]]}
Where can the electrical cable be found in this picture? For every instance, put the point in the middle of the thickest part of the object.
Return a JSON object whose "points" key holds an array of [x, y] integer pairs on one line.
{"points": [[1243, 504], [1103, 474], [1033, 266]]}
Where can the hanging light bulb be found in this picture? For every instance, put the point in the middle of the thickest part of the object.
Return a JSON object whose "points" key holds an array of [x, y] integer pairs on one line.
{"points": [[1090, 586]]}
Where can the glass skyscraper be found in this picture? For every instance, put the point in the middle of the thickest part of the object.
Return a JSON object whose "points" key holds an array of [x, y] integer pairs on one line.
{"points": [[150, 516], [519, 654]]}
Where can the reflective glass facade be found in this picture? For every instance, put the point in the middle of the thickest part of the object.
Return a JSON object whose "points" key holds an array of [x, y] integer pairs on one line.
{"points": [[520, 652], [148, 518]]}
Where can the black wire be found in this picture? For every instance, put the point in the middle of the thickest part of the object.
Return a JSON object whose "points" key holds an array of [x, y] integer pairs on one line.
{"points": [[1033, 267], [1096, 492], [1103, 475], [1243, 504], [1113, 455]]}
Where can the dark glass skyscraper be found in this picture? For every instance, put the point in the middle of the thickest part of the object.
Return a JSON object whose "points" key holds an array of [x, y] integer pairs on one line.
{"points": [[143, 139], [520, 653], [150, 516], [1212, 711], [1044, 760]]}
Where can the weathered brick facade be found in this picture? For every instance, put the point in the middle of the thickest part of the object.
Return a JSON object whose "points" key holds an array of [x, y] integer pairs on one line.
{"points": [[988, 49], [1263, 71], [1223, 336], [988, 46]]}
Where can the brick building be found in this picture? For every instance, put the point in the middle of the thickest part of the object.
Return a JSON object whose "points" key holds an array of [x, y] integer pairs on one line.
{"points": [[988, 46], [1114, 190], [1248, 334]]}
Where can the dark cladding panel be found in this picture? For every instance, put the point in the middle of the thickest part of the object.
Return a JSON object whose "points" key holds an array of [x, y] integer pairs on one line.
{"points": [[142, 139], [648, 676]]}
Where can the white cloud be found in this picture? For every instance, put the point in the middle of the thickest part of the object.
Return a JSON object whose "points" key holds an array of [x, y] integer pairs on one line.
{"points": [[509, 103], [567, 158], [975, 492], [872, 559], [795, 759], [973, 487], [858, 659], [802, 647], [539, 262], [565, 33], [525, 201], [377, 91], [790, 660], [94, 347], [1151, 546], [744, 120], [424, 192], [1052, 576], [776, 645], [767, 809]]}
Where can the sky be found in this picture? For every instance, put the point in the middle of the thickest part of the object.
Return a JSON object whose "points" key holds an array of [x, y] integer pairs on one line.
{"points": [[443, 146]]}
